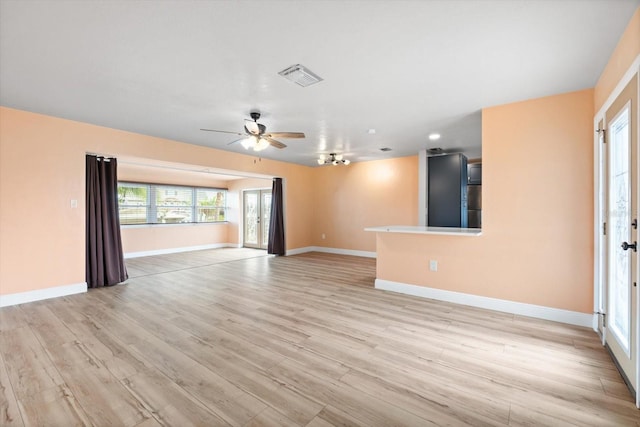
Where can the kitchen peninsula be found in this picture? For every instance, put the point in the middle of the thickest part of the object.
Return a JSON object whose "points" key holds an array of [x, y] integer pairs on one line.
{"points": [[415, 259], [451, 264]]}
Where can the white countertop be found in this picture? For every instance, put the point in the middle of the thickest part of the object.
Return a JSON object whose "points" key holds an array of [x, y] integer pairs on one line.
{"points": [[419, 229]]}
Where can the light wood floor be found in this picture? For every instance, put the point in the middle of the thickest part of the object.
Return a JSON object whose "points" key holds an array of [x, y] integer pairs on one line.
{"points": [[144, 266], [294, 341]]}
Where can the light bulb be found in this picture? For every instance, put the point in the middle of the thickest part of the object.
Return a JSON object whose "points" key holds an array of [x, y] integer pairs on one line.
{"points": [[321, 161], [261, 145], [346, 162], [249, 142], [338, 157]]}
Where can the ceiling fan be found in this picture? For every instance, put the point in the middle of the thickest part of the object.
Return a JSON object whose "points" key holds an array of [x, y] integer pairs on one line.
{"points": [[255, 135]]}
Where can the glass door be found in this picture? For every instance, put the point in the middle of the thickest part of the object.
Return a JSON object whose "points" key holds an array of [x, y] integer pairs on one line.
{"points": [[257, 215], [621, 324]]}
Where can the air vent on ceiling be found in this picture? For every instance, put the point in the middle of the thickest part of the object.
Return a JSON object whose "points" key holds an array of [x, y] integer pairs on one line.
{"points": [[385, 149], [300, 75], [435, 151]]}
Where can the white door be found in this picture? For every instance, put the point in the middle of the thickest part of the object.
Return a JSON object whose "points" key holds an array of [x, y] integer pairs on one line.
{"points": [[620, 325], [257, 215]]}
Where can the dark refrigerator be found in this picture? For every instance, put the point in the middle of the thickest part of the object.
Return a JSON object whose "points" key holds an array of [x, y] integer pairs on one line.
{"points": [[447, 191]]}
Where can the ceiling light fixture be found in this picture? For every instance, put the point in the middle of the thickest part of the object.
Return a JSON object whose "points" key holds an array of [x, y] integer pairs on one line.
{"points": [[434, 136], [333, 159], [435, 151], [300, 75], [254, 143]]}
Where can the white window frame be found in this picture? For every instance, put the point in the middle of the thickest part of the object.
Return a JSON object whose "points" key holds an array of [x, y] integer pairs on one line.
{"points": [[152, 206]]}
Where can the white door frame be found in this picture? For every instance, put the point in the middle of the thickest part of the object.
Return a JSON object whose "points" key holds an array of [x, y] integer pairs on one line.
{"points": [[242, 216], [599, 262]]}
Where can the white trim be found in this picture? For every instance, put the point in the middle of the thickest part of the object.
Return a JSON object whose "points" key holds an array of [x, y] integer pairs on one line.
{"points": [[181, 249], [41, 294], [598, 189], [336, 251], [298, 251], [529, 310], [167, 225], [622, 83], [422, 187], [339, 251]]}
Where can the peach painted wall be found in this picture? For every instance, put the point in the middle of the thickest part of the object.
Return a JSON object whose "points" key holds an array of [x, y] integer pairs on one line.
{"points": [[624, 54], [167, 236], [41, 237], [536, 245], [171, 236], [366, 194], [42, 162], [236, 205], [163, 175]]}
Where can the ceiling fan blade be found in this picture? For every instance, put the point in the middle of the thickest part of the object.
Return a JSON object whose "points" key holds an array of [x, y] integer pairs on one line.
{"points": [[274, 143], [286, 135], [222, 131], [252, 128]]}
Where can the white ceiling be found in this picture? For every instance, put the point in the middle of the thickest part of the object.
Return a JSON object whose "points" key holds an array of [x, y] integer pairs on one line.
{"points": [[404, 68]]}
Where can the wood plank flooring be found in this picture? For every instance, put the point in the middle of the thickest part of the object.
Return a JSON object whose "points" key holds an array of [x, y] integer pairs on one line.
{"points": [[217, 339]]}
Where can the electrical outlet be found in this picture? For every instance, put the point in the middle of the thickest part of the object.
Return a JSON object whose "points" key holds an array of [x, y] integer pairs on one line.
{"points": [[433, 265], [74, 203]]}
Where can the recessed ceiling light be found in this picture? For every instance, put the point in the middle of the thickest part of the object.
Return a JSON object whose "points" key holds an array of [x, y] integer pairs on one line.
{"points": [[434, 136], [371, 131]]}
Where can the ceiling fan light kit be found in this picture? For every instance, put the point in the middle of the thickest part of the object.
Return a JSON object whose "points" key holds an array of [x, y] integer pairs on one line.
{"points": [[254, 143], [333, 159]]}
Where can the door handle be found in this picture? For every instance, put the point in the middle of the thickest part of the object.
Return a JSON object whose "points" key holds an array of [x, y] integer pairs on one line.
{"points": [[633, 246]]}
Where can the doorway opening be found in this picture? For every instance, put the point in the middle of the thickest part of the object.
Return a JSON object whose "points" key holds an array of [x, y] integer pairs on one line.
{"points": [[256, 218]]}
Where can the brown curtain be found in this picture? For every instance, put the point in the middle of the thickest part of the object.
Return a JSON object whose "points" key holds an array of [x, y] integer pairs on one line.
{"points": [[105, 260], [276, 226]]}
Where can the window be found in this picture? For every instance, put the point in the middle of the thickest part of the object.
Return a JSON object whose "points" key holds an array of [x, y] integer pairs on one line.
{"points": [[170, 204], [133, 203]]}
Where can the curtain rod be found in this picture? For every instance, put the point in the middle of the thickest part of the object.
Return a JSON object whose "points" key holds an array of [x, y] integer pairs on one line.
{"points": [[101, 156]]}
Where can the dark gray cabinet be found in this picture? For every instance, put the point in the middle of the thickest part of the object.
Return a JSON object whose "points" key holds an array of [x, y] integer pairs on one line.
{"points": [[475, 174], [447, 191], [474, 195]]}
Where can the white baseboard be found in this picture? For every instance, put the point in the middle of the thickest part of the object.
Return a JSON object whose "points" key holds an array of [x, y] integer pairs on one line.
{"points": [[41, 294], [529, 310], [181, 249], [298, 251], [337, 251]]}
